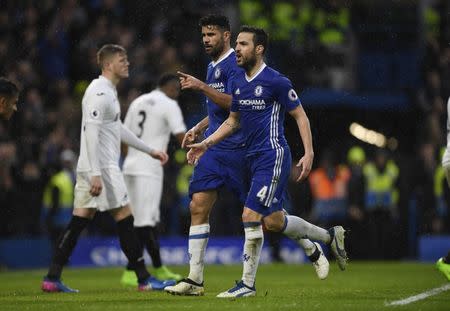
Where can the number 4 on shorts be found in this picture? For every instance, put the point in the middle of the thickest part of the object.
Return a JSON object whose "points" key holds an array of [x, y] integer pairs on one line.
{"points": [[262, 193]]}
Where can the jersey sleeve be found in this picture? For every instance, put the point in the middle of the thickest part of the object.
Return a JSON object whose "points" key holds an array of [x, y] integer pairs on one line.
{"points": [[129, 138], [175, 119], [286, 94], [235, 100], [97, 108], [130, 115], [231, 75], [92, 130]]}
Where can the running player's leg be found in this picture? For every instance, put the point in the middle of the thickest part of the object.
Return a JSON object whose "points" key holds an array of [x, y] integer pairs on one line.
{"points": [[207, 177], [254, 239], [132, 249], [116, 195], [148, 235], [297, 228], [135, 196], [146, 225], [200, 208], [85, 209], [312, 250], [316, 256], [145, 196], [260, 168], [64, 248], [129, 241]]}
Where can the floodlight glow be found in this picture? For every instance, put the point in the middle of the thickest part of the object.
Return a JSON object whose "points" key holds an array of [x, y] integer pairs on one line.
{"points": [[372, 137]]}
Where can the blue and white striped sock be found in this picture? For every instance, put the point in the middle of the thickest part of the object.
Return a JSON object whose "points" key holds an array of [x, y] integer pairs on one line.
{"points": [[198, 239]]}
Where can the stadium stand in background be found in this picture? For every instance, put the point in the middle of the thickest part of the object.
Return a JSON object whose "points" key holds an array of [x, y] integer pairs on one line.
{"points": [[390, 72]]}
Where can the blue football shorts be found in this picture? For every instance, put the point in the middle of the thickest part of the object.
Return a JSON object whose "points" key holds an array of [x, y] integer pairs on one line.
{"points": [[269, 174], [217, 168]]}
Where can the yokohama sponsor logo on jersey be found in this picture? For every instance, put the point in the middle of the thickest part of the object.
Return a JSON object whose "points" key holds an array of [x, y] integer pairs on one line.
{"points": [[218, 86], [252, 102]]}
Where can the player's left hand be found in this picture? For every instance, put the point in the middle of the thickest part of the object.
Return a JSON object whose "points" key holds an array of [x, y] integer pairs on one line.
{"points": [[189, 137], [159, 155], [195, 153], [305, 164], [189, 82]]}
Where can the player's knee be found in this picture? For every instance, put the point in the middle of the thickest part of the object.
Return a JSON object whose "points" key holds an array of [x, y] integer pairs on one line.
{"points": [[273, 224], [121, 213], [254, 233], [249, 215], [198, 211], [88, 213]]}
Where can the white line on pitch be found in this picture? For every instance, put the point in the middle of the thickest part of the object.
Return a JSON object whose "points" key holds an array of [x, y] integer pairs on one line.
{"points": [[420, 296]]}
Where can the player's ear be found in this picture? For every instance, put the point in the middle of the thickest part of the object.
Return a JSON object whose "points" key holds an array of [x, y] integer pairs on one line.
{"points": [[107, 62], [227, 35], [104, 65], [259, 49]]}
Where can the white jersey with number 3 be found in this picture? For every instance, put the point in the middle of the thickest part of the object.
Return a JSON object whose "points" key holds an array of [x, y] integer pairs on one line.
{"points": [[152, 117], [101, 106]]}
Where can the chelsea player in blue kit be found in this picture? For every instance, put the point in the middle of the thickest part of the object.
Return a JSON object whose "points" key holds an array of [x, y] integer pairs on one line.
{"points": [[221, 165], [261, 96]]}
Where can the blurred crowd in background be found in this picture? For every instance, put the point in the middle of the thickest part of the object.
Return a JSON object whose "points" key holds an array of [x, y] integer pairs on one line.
{"points": [[387, 196]]}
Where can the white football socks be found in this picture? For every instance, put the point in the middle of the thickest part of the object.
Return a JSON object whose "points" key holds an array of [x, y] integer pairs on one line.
{"points": [[254, 239], [198, 239], [297, 228], [308, 246]]}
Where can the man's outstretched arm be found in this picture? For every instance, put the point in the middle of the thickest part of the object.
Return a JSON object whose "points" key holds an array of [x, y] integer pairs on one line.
{"points": [[132, 140], [223, 100]]}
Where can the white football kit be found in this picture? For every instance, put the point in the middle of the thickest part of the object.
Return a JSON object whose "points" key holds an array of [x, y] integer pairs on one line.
{"points": [[101, 134], [152, 117]]}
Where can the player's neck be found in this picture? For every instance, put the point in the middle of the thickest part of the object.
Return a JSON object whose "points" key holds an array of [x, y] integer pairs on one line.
{"points": [[224, 51], [111, 77], [250, 72]]}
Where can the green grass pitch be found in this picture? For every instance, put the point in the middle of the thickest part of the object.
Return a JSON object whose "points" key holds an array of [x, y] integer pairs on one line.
{"points": [[364, 286]]}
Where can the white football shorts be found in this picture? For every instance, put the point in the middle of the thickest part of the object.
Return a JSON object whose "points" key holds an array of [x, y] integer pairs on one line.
{"points": [[114, 193], [145, 197]]}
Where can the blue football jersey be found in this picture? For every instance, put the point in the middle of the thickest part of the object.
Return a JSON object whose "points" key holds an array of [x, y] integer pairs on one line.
{"points": [[262, 102], [219, 76]]}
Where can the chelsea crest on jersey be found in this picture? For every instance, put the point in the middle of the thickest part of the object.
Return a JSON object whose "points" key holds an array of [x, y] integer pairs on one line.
{"points": [[262, 102], [220, 75]]}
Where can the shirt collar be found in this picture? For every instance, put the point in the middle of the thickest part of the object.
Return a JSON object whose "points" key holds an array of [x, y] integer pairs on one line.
{"points": [[222, 57], [250, 79], [110, 84]]}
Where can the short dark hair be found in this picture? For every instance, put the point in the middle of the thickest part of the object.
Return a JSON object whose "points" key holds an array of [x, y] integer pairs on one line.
{"points": [[8, 88], [260, 36], [220, 21], [166, 78], [108, 50]]}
